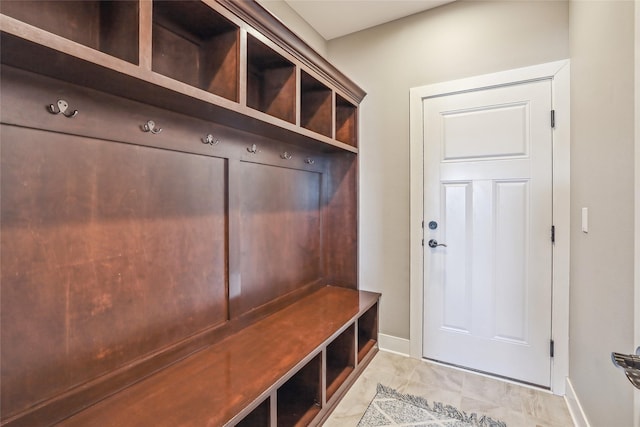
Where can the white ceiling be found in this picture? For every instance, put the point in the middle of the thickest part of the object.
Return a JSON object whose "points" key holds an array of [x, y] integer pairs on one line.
{"points": [[336, 18]]}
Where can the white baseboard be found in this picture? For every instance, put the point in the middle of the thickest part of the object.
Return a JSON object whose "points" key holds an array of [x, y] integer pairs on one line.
{"points": [[394, 344], [575, 409]]}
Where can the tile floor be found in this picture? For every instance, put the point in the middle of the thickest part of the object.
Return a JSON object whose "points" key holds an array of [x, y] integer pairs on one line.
{"points": [[518, 406]]}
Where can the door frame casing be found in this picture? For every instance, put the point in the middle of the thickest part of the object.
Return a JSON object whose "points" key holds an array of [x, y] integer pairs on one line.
{"points": [[636, 393], [558, 73]]}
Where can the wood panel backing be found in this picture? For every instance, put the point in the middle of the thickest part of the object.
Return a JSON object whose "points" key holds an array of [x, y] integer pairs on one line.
{"points": [[280, 241], [340, 237], [108, 251]]}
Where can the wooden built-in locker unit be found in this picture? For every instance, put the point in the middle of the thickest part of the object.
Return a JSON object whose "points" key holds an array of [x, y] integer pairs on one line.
{"points": [[178, 181]]}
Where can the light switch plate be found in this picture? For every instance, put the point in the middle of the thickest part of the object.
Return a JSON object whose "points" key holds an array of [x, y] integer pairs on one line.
{"points": [[585, 220]]}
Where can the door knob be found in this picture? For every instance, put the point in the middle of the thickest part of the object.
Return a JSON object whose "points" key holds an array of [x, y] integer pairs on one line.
{"points": [[630, 364], [434, 243]]}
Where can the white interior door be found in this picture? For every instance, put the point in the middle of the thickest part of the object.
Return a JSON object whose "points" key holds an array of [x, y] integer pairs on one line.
{"points": [[488, 198]]}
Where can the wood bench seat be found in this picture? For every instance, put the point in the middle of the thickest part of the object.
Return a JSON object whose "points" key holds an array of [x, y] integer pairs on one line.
{"points": [[221, 384]]}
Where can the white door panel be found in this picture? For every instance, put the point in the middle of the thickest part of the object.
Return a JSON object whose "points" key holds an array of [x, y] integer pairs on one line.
{"points": [[511, 260], [457, 275], [499, 132], [488, 160]]}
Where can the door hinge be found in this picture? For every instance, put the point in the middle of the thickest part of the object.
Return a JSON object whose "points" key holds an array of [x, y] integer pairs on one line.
{"points": [[553, 119], [553, 234], [551, 348], [422, 242], [422, 224]]}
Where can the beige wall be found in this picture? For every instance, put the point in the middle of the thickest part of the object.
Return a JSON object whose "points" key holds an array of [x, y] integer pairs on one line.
{"points": [[458, 40], [602, 179]]}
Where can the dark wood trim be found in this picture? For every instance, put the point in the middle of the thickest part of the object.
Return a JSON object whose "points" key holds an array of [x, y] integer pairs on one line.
{"points": [[146, 19], [234, 225]]}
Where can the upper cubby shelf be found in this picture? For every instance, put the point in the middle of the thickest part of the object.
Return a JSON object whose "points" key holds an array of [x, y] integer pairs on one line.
{"points": [[346, 121], [315, 105], [107, 26], [228, 61], [271, 81], [194, 44]]}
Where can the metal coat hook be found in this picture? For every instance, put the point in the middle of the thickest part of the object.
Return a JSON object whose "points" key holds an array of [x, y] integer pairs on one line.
{"points": [[150, 126], [62, 107], [253, 149], [285, 156], [211, 140], [309, 161]]}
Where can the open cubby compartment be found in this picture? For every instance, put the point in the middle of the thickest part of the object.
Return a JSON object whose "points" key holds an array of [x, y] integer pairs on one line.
{"points": [[299, 399], [196, 45], [367, 331], [346, 121], [271, 81], [259, 417], [315, 105], [110, 27], [340, 359]]}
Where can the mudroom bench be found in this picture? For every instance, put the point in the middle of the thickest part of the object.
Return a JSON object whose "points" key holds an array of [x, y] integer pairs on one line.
{"points": [[288, 369]]}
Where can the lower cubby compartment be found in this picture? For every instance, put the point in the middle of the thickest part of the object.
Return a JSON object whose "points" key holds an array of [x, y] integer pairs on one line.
{"points": [[367, 331], [340, 360], [299, 399], [259, 417]]}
